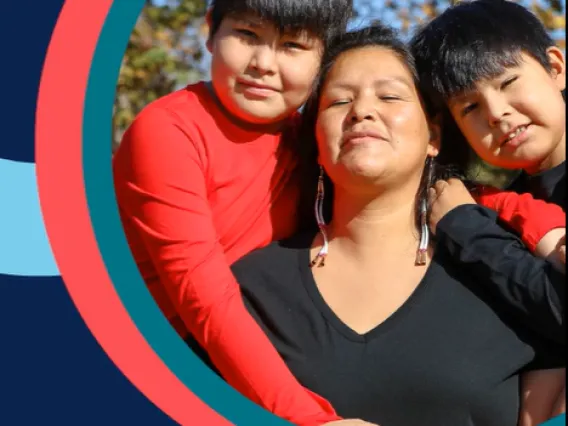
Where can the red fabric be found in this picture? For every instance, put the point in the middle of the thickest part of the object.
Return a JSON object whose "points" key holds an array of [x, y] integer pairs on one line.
{"points": [[196, 193], [530, 217]]}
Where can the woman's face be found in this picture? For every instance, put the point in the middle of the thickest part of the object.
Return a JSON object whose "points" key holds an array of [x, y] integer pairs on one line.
{"points": [[371, 127]]}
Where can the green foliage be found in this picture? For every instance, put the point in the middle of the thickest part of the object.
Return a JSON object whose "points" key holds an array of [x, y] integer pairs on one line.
{"points": [[163, 54]]}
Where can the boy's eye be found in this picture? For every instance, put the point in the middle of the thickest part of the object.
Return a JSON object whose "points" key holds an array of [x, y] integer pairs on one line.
{"points": [[508, 82], [294, 45], [246, 33], [467, 109]]}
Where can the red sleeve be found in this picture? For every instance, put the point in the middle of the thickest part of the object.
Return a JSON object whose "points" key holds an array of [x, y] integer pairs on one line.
{"points": [[160, 185], [530, 217]]}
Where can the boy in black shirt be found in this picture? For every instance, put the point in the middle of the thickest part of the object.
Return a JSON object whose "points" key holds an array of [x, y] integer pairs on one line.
{"points": [[496, 77], [492, 65]]}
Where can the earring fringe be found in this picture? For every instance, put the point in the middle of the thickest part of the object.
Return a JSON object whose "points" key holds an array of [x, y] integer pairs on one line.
{"points": [[424, 230], [318, 210]]}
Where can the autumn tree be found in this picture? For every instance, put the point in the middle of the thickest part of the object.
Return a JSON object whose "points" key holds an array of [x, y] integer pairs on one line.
{"points": [[165, 52]]}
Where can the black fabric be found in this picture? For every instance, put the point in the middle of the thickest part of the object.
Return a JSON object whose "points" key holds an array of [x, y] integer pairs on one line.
{"points": [[549, 185], [450, 356], [531, 289]]}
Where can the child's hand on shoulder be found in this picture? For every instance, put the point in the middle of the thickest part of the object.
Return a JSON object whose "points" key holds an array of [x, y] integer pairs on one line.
{"points": [[444, 196]]}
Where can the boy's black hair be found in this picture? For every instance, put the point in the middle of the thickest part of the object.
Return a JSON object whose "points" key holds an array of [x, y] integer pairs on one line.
{"points": [[323, 19], [473, 41], [376, 35]]}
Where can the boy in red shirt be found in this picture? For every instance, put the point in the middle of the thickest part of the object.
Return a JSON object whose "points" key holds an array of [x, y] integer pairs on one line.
{"points": [[205, 175]]}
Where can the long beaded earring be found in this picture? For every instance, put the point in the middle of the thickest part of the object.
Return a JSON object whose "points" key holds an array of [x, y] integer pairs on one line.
{"points": [[318, 210], [424, 230]]}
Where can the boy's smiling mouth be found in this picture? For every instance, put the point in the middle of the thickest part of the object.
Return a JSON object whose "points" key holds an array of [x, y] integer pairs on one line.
{"points": [[515, 137]]}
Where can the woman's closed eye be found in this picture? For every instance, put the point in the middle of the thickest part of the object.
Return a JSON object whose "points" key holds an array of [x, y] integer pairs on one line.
{"points": [[339, 102], [390, 98], [334, 101]]}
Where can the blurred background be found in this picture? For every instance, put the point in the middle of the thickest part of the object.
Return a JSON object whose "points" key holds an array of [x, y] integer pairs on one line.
{"points": [[167, 50]]}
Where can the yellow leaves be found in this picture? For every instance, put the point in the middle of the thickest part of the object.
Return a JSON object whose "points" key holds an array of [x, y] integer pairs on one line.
{"points": [[550, 18], [429, 10], [404, 18], [203, 29]]}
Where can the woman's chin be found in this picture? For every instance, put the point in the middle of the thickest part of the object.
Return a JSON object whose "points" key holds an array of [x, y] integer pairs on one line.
{"points": [[369, 169]]}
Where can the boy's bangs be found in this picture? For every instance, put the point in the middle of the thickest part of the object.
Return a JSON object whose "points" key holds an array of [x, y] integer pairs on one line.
{"points": [[458, 72], [297, 17]]}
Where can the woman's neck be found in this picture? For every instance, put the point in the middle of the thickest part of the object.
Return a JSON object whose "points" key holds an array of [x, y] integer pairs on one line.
{"points": [[382, 226]]}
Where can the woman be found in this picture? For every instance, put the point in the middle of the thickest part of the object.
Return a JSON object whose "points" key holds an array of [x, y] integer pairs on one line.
{"points": [[385, 325]]}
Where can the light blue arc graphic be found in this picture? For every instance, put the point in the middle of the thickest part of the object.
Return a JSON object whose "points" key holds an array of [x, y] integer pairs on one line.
{"points": [[24, 246]]}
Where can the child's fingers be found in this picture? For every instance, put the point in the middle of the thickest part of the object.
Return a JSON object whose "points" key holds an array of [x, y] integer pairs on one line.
{"points": [[562, 254]]}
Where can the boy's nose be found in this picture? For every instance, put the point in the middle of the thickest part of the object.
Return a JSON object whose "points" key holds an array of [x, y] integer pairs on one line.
{"points": [[264, 60], [496, 109]]}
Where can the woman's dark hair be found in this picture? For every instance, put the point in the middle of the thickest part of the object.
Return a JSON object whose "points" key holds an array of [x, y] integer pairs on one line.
{"points": [[323, 19], [376, 35]]}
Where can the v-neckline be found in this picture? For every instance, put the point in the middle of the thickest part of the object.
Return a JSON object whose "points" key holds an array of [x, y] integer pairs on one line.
{"points": [[329, 314]]}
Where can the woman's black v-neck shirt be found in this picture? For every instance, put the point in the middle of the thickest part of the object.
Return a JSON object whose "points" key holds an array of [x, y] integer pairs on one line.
{"points": [[448, 357]]}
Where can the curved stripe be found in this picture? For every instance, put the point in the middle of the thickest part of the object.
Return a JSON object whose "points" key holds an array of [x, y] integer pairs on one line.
{"points": [[557, 421], [62, 196], [24, 247], [112, 242]]}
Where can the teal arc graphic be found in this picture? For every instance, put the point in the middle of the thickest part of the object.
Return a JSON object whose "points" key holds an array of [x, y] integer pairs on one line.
{"points": [[111, 240]]}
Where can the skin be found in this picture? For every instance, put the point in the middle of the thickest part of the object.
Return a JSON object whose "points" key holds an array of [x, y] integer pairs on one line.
{"points": [[527, 94]]}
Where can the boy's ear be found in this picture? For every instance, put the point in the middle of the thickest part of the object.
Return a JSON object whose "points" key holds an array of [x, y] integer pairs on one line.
{"points": [[558, 66], [209, 21]]}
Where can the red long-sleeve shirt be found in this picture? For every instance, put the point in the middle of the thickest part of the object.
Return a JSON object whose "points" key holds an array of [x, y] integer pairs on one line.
{"points": [[196, 192]]}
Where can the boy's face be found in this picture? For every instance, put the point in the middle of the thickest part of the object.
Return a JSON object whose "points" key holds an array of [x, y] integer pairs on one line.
{"points": [[517, 120], [260, 75]]}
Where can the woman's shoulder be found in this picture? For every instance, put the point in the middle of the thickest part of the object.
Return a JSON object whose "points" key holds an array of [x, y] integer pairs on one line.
{"points": [[276, 259]]}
